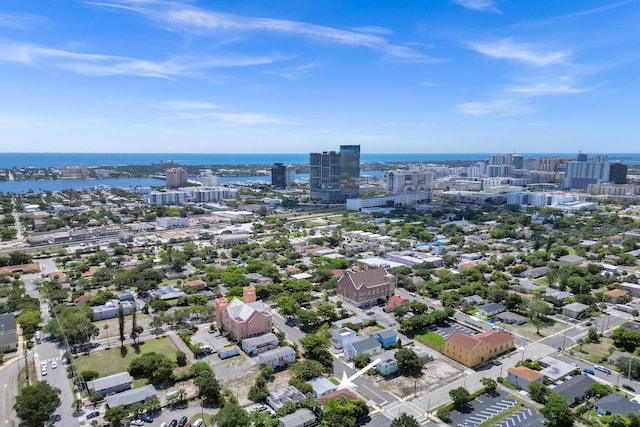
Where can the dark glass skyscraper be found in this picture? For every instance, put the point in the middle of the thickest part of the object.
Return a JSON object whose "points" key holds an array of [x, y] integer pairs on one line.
{"points": [[335, 176]]}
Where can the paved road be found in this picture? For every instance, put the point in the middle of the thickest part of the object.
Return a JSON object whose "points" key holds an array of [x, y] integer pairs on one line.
{"points": [[365, 387], [9, 386]]}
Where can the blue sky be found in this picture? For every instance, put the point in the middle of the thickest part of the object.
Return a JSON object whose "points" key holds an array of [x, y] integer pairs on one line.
{"points": [[305, 75]]}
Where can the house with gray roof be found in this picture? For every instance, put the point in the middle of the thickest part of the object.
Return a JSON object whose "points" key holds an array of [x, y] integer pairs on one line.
{"points": [[278, 398], [129, 397], [167, 292], [112, 384], [491, 309], [575, 310], [512, 318], [616, 404], [278, 357], [368, 346], [574, 390], [300, 418], [474, 300], [386, 337], [109, 310], [8, 333], [321, 386], [535, 273], [259, 344]]}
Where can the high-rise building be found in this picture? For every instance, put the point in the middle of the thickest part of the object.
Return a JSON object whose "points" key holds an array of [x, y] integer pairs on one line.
{"points": [[415, 178], [582, 173], [335, 176], [618, 173], [282, 175], [176, 177]]}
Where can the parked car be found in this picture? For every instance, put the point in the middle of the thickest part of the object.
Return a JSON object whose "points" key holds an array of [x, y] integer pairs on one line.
{"points": [[137, 423], [54, 364], [497, 362], [173, 423], [182, 421], [588, 371], [602, 369], [261, 407], [628, 387], [93, 415], [44, 372], [198, 423], [148, 419]]}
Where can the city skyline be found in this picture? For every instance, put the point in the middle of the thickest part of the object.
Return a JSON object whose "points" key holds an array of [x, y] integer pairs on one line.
{"points": [[450, 76]]}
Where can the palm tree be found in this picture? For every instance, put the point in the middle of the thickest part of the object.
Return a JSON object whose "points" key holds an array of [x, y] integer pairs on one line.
{"points": [[182, 395], [77, 405], [580, 342], [106, 331]]}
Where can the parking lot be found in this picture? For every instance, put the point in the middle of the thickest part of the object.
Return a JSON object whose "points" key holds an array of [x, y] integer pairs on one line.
{"points": [[445, 330], [481, 409], [527, 417]]}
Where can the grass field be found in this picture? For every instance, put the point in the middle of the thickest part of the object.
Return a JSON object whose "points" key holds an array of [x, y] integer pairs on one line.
{"points": [[595, 352], [432, 340], [114, 360]]}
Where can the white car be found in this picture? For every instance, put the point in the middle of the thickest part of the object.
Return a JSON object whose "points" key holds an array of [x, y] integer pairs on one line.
{"points": [[137, 423], [54, 364], [43, 363], [44, 371]]}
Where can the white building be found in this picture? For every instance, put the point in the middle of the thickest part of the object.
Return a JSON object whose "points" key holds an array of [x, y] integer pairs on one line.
{"points": [[109, 310], [414, 179], [172, 222], [278, 357]]}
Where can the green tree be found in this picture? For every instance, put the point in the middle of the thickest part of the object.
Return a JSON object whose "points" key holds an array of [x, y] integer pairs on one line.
{"points": [[557, 411], [341, 412], [200, 368], [208, 387], [361, 360], [307, 369], [460, 396], [115, 415], [29, 320], [405, 420], [36, 403], [259, 391], [73, 325], [409, 363], [489, 384], [158, 368], [121, 325], [599, 390], [134, 323], [181, 358], [538, 392], [232, 415], [593, 335], [316, 348], [288, 306]]}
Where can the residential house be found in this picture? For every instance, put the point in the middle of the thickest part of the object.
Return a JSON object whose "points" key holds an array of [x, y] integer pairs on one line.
{"points": [[194, 285], [278, 357], [246, 318], [536, 273], [575, 310], [343, 392], [575, 390], [368, 346], [109, 310], [617, 355], [168, 292], [474, 300], [259, 344], [365, 288], [555, 369], [491, 309], [278, 398], [386, 337], [341, 337], [340, 323], [321, 386], [396, 301], [112, 384], [571, 259], [512, 318], [129, 397], [616, 404], [476, 349], [617, 295], [522, 377], [388, 364], [560, 296], [301, 418], [8, 334]]}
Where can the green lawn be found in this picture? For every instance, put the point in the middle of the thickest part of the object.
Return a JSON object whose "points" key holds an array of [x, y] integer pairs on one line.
{"points": [[433, 340], [114, 360]]}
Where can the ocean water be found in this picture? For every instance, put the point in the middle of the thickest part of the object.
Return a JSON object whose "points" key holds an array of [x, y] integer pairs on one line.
{"points": [[44, 160]]}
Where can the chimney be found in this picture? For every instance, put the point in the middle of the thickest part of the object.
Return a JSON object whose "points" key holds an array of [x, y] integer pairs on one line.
{"points": [[248, 294]]}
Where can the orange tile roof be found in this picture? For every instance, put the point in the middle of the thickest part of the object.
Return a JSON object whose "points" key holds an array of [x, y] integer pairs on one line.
{"points": [[526, 373], [616, 293], [494, 338], [397, 299], [465, 342]]}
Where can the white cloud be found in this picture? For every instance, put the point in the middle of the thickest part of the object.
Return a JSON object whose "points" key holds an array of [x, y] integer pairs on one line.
{"points": [[107, 65], [542, 89], [20, 21], [185, 105], [499, 107], [181, 17], [483, 5], [507, 49]]}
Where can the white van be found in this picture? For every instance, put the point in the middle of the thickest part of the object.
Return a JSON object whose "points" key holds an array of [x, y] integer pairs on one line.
{"points": [[198, 422], [602, 369]]}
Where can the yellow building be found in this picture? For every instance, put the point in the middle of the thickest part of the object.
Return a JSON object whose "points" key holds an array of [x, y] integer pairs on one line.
{"points": [[474, 350]]}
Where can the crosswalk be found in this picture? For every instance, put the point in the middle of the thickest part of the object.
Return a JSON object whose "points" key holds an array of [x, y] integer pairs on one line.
{"points": [[489, 412]]}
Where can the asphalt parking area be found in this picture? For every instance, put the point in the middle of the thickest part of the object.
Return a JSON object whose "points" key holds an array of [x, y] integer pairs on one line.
{"points": [[446, 330], [527, 417], [481, 409]]}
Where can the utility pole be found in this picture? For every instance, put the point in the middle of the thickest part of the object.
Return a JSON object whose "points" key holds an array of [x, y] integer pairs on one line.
{"points": [[629, 374]]}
